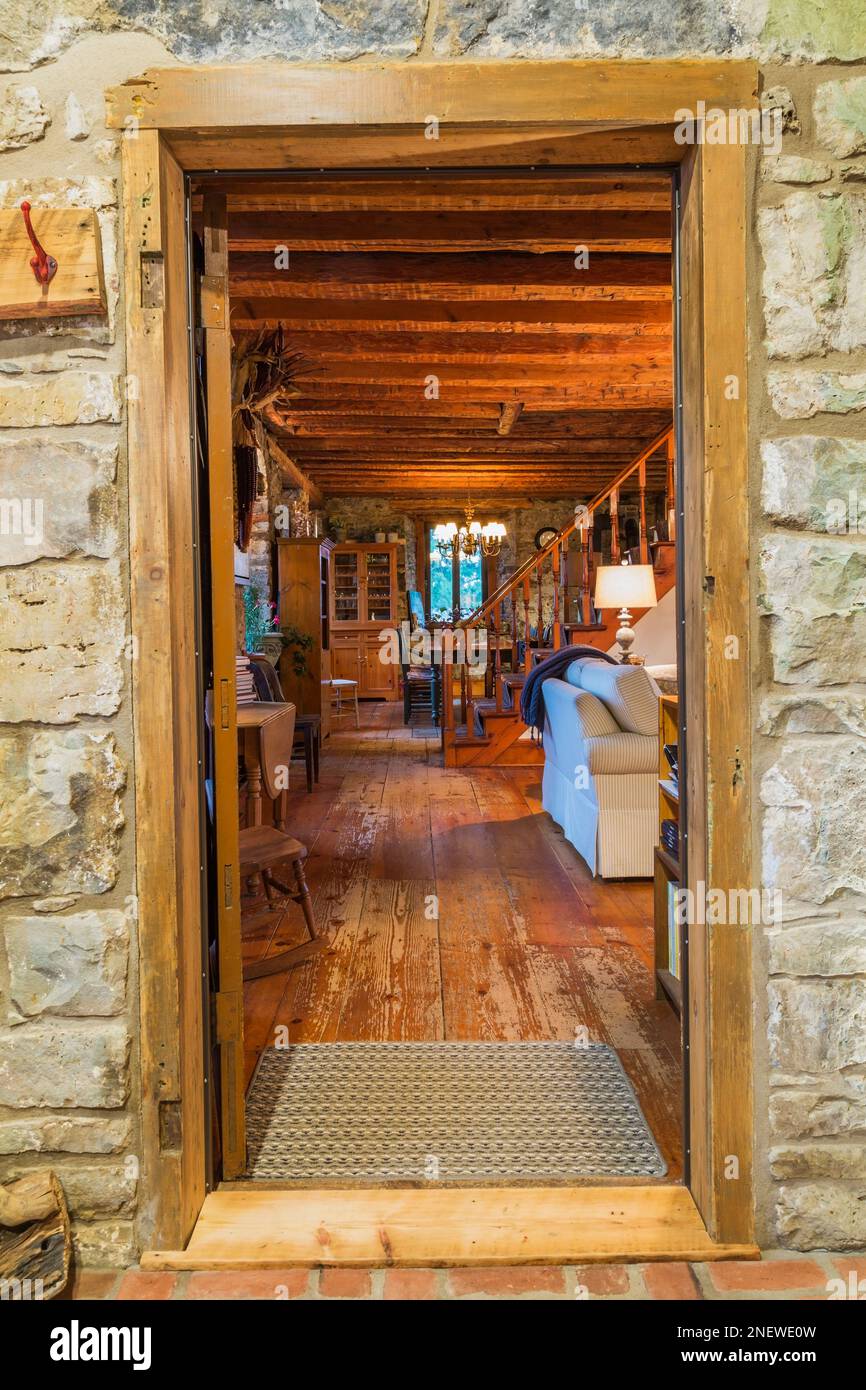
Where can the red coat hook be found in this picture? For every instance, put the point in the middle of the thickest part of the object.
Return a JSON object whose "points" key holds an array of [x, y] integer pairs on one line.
{"points": [[44, 266]]}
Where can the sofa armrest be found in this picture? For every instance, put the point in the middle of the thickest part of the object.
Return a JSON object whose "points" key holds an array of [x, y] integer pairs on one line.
{"points": [[622, 753]]}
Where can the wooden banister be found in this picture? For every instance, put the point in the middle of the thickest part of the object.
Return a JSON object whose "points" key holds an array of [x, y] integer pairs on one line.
{"points": [[534, 562]]}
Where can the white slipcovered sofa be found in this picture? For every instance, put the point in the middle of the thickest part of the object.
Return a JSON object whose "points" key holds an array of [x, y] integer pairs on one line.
{"points": [[601, 764]]}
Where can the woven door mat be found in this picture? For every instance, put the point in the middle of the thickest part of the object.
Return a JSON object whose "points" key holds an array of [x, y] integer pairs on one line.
{"points": [[445, 1112]]}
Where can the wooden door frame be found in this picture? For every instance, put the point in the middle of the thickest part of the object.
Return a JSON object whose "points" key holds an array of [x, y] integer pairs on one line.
{"points": [[179, 120]]}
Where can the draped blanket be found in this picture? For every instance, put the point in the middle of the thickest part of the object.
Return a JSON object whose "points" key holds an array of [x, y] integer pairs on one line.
{"points": [[532, 695]]}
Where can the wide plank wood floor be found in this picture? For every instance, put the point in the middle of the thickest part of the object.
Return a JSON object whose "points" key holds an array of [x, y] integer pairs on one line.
{"points": [[457, 910]]}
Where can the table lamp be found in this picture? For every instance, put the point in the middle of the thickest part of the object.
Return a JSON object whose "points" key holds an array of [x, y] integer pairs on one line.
{"points": [[625, 587]]}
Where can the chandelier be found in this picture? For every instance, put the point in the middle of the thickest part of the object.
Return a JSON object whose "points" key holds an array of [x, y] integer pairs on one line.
{"points": [[469, 538]]}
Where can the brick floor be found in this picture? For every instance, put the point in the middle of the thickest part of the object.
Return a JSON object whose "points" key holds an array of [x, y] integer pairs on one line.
{"points": [[146, 1285], [672, 1281], [345, 1283], [780, 1275], [507, 1281], [766, 1276]]}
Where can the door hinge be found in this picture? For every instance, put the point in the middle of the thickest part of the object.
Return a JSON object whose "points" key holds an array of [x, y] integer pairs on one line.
{"points": [[212, 301], [228, 885], [226, 1017]]}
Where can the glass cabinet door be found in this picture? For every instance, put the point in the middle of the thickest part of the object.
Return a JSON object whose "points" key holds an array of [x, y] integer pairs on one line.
{"points": [[347, 602], [379, 586]]}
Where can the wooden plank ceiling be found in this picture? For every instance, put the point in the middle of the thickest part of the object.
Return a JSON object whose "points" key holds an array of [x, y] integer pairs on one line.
{"points": [[553, 367]]}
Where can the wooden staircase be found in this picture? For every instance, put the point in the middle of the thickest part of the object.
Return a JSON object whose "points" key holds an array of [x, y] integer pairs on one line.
{"points": [[505, 739]]}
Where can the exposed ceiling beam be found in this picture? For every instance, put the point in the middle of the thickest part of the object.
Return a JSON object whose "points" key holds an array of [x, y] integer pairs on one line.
{"points": [[577, 423], [379, 444], [569, 395], [320, 275], [433, 230], [295, 475], [481, 348], [630, 317], [635, 190]]}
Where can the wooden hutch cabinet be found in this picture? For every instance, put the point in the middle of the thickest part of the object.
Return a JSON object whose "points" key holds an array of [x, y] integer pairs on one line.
{"points": [[364, 602], [303, 568]]}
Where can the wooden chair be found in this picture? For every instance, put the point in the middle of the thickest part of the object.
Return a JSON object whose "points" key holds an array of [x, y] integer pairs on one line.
{"points": [[421, 686], [340, 686], [262, 849], [307, 726]]}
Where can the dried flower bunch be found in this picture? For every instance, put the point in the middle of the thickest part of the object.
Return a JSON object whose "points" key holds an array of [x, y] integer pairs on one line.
{"points": [[264, 371]]}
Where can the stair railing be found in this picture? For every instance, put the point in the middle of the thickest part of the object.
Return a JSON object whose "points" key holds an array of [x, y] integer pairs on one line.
{"points": [[517, 589]]}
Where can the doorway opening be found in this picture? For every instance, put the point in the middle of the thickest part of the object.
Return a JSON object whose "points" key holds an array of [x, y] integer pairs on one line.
{"points": [[499, 116], [446, 399]]}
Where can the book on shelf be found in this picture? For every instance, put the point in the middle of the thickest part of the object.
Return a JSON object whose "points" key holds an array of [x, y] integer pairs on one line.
{"points": [[674, 964]]}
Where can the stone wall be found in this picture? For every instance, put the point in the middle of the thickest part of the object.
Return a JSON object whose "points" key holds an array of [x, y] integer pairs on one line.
{"points": [[810, 710], [69, 962]]}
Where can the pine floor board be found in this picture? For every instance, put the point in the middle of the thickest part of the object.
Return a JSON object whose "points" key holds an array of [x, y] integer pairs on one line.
{"points": [[456, 910]]}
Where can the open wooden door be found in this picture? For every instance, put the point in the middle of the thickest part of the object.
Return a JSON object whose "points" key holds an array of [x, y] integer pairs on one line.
{"points": [[228, 1012]]}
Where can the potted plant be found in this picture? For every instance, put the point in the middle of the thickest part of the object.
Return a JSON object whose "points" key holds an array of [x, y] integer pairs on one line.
{"points": [[338, 527], [260, 618], [298, 644]]}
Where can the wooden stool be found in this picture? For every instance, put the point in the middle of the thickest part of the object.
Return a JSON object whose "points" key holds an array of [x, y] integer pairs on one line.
{"points": [[262, 847], [339, 687]]}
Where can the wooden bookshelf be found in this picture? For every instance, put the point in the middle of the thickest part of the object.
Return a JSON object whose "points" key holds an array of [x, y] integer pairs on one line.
{"points": [[666, 876]]}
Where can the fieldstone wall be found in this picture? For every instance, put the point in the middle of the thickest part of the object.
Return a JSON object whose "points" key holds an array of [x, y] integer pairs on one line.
{"points": [[810, 752], [69, 957]]}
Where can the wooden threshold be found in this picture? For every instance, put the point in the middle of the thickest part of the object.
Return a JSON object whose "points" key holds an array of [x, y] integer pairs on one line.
{"points": [[255, 1229]]}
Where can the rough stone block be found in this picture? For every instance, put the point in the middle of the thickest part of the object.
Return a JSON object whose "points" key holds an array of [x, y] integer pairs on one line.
{"points": [[844, 1161], [69, 398], [57, 499], [814, 249], [91, 1134], [74, 965], [561, 28], [802, 29], [800, 1114], [819, 948], [106, 1244], [807, 481], [817, 1028], [821, 1215], [800, 395], [814, 593], [813, 845], [23, 118], [60, 812], [793, 168], [65, 1066], [814, 712], [62, 635], [840, 116], [94, 1190]]}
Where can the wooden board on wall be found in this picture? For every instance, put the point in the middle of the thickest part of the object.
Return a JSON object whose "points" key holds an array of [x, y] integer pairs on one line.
{"points": [[72, 237]]}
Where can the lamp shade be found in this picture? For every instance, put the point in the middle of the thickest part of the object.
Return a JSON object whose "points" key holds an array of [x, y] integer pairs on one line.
{"points": [[625, 586]]}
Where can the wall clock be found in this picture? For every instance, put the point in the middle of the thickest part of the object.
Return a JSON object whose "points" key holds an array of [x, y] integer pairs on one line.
{"points": [[544, 535]]}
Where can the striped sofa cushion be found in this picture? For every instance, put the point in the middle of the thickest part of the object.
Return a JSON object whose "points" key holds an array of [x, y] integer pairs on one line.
{"points": [[627, 692], [596, 721]]}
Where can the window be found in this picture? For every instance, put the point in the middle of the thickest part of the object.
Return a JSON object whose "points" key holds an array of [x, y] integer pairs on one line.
{"points": [[456, 581]]}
